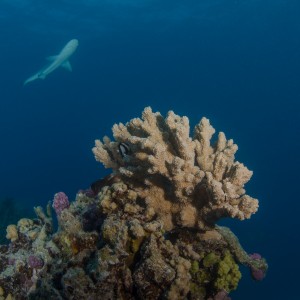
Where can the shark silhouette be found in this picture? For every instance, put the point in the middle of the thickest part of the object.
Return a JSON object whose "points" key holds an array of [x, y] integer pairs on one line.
{"points": [[60, 60]]}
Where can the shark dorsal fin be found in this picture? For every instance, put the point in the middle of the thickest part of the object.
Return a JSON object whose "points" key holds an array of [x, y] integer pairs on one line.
{"points": [[66, 65]]}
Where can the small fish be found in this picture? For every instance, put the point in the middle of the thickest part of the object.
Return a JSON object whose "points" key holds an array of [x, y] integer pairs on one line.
{"points": [[124, 149]]}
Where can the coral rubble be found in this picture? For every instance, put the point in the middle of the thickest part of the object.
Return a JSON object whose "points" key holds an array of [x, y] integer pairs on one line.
{"points": [[148, 230]]}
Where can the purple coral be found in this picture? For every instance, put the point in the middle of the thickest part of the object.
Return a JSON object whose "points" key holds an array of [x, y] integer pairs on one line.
{"points": [[255, 256], [60, 202], [35, 262], [257, 273], [221, 295], [11, 261]]}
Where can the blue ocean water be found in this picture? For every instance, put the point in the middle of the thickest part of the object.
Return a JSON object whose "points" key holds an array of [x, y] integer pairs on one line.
{"points": [[237, 62]]}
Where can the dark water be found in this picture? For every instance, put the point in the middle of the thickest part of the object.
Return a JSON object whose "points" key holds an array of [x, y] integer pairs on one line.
{"points": [[236, 62]]}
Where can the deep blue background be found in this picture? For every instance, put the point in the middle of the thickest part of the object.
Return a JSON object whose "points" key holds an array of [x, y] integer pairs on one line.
{"points": [[235, 62]]}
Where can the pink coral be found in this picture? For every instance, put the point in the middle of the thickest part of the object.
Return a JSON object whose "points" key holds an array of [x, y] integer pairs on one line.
{"points": [[257, 274], [60, 202], [35, 262], [255, 256]]}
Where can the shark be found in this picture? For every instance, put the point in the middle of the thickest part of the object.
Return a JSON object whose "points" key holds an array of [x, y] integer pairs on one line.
{"points": [[56, 61]]}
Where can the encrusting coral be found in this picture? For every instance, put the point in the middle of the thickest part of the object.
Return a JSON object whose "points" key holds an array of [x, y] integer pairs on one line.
{"points": [[187, 181], [148, 230]]}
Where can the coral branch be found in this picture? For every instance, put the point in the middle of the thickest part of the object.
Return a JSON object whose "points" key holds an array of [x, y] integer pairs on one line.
{"points": [[187, 181]]}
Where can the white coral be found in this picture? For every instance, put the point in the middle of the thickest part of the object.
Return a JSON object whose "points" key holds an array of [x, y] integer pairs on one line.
{"points": [[187, 181]]}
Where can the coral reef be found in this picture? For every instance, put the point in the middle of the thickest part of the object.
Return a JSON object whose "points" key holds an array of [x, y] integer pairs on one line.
{"points": [[148, 230], [187, 181]]}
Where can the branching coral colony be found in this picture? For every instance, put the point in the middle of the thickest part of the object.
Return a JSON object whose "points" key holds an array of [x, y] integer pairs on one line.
{"points": [[148, 230], [187, 182]]}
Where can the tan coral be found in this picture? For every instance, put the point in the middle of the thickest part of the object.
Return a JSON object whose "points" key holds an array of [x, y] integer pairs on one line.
{"points": [[187, 181], [12, 233]]}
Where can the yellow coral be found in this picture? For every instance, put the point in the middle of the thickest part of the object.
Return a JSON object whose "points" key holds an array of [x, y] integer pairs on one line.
{"points": [[25, 224], [12, 233], [9, 297], [228, 274], [210, 259]]}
